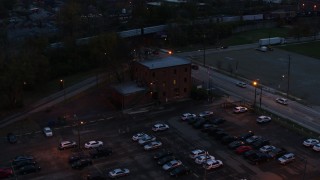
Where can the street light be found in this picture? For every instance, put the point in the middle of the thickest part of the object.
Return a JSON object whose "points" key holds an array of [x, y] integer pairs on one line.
{"points": [[255, 83]]}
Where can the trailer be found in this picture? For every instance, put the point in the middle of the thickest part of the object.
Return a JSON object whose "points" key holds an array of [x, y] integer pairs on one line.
{"points": [[271, 41]]}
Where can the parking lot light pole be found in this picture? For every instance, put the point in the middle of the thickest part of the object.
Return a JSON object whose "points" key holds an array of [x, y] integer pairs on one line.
{"points": [[255, 83]]}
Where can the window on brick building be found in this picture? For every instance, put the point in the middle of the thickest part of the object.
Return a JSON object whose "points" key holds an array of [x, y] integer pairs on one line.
{"points": [[153, 74], [185, 89], [185, 69], [185, 79], [175, 71], [174, 82], [164, 84]]}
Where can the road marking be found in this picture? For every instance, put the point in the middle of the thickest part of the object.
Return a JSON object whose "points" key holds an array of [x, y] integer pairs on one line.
{"points": [[195, 175]]}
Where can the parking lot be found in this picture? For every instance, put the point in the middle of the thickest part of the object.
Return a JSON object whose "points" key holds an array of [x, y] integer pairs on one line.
{"points": [[180, 139]]}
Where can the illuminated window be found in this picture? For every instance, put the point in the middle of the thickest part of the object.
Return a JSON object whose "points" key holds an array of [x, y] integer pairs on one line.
{"points": [[174, 82], [164, 84]]}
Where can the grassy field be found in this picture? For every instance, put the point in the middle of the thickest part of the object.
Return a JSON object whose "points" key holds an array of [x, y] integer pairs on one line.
{"points": [[253, 36], [311, 49]]}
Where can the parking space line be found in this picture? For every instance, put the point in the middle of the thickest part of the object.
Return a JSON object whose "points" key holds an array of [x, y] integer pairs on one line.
{"points": [[195, 175]]}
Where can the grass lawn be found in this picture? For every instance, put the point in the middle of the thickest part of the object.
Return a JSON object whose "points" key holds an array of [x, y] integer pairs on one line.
{"points": [[311, 49], [253, 36]]}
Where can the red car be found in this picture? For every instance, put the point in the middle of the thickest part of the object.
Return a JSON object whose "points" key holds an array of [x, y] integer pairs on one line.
{"points": [[242, 149], [6, 172]]}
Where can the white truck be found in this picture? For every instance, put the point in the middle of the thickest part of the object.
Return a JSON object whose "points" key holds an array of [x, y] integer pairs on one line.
{"points": [[271, 41]]}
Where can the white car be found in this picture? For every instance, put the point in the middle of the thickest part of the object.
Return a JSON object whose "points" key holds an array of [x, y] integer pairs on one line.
{"points": [[119, 172], [212, 164], [253, 139], [310, 142], [146, 139], [316, 147], [263, 119], [241, 84], [197, 152], [160, 127], [267, 148], [138, 136], [282, 101], [203, 158], [206, 113], [172, 164], [93, 144], [187, 116], [289, 157], [152, 145], [47, 131], [240, 109]]}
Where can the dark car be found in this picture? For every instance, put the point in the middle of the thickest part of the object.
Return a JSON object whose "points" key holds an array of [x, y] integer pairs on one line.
{"points": [[246, 135], [258, 158], [192, 120], [235, 144], [21, 158], [278, 152], [179, 171], [218, 121], [228, 139], [200, 122], [77, 156], [28, 169], [11, 138], [81, 163], [165, 159], [262, 142], [20, 164], [220, 134], [162, 154], [249, 153], [100, 152], [207, 126], [6, 172]]}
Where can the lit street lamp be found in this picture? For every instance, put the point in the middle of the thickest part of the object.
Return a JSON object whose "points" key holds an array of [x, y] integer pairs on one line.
{"points": [[255, 83]]}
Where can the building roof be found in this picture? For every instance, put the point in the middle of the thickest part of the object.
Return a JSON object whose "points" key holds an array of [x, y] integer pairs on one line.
{"points": [[165, 62], [128, 88]]}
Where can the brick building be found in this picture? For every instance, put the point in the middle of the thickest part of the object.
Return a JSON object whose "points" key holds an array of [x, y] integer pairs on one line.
{"points": [[166, 79]]}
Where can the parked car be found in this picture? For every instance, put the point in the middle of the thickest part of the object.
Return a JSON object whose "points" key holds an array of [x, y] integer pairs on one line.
{"points": [[12, 138], [207, 126], [258, 144], [310, 142], [119, 172], [6, 172], [162, 154], [180, 171], [241, 84], [287, 158], [282, 101], [258, 158], [187, 116], [172, 164], [28, 169], [93, 144], [249, 153], [217, 121], [212, 164], [20, 164], [47, 131], [203, 158], [165, 159], [277, 152], [152, 145], [316, 147], [146, 139], [263, 119], [267, 148], [212, 131], [77, 156], [80, 164], [138, 136], [22, 158], [206, 114], [228, 139], [197, 152], [242, 149], [235, 144], [160, 127], [240, 109], [199, 123], [100, 152], [246, 135], [220, 134], [253, 139], [67, 145]]}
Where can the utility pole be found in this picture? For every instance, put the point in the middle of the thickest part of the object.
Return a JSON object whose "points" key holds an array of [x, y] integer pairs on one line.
{"points": [[78, 129], [288, 76], [204, 50], [260, 95]]}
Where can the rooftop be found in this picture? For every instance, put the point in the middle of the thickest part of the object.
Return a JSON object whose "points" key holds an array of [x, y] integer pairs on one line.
{"points": [[165, 62], [128, 88]]}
